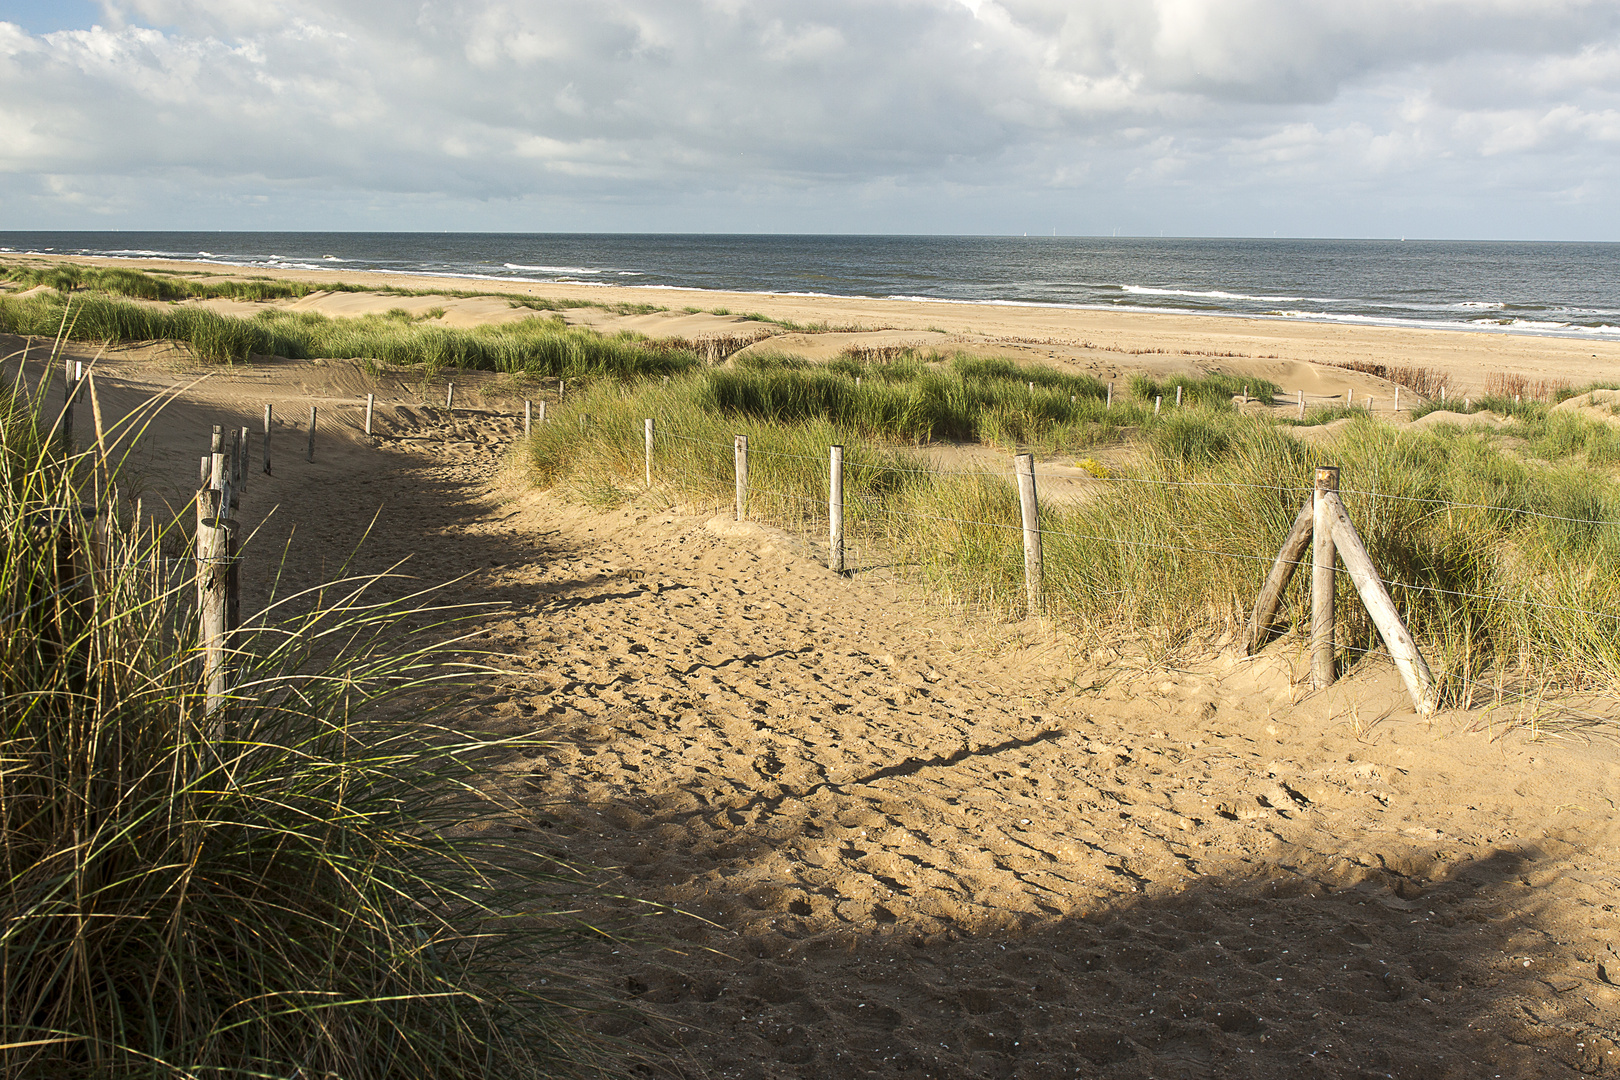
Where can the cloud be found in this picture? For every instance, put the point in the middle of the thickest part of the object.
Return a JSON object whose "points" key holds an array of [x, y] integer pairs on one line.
{"points": [[623, 111]]}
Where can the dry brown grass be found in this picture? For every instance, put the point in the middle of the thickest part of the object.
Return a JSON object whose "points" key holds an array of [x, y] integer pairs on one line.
{"points": [[1509, 385]]}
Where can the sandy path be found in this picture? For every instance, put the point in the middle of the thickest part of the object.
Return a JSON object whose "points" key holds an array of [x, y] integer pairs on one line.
{"points": [[925, 847]]}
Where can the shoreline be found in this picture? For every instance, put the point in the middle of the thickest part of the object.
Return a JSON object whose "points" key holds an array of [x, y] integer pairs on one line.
{"points": [[1066, 334], [291, 272]]}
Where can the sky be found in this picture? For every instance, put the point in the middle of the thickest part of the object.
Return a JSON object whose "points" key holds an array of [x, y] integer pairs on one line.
{"points": [[1486, 119]]}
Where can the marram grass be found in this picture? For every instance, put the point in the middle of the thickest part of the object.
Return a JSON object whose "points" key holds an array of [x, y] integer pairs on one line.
{"points": [[319, 889], [536, 346], [1502, 564]]}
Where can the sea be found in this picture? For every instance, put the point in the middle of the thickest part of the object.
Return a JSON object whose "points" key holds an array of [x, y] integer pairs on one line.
{"points": [[1556, 289]]}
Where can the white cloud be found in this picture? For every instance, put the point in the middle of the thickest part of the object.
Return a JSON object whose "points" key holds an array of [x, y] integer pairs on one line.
{"points": [[942, 114]]}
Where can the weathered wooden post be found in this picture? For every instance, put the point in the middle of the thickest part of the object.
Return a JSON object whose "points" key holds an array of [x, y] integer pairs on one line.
{"points": [[212, 625], [72, 377], [1156, 403], [1322, 650], [309, 454], [267, 417], [1034, 564], [835, 512], [1245, 395], [1442, 394], [1110, 403], [449, 396], [562, 390], [1282, 571], [1350, 396], [1419, 680], [245, 438], [647, 436], [371, 403], [739, 450], [1302, 404], [1397, 398], [1178, 395], [542, 410], [528, 417]]}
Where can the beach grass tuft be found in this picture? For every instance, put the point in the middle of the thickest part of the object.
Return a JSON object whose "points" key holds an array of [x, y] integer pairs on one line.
{"points": [[319, 882]]}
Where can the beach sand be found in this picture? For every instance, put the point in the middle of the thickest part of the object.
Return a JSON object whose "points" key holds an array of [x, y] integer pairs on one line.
{"points": [[1294, 354], [890, 839]]}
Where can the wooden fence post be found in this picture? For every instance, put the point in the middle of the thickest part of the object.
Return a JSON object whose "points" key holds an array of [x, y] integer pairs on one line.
{"points": [[310, 452], [1034, 568], [245, 438], [73, 371], [542, 410], [1322, 658], [449, 396], [528, 417], [1302, 404], [1178, 395], [212, 628], [371, 403], [562, 390], [1398, 640], [739, 450], [835, 512], [1156, 403], [267, 415], [1282, 571], [647, 434], [1397, 398], [1110, 403]]}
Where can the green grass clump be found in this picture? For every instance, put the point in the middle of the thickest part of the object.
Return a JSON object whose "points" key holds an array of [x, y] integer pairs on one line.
{"points": [[533, 346], [312, 888], [1497, 563]]}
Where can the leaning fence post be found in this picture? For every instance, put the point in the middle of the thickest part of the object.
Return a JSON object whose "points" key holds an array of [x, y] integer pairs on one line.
{"points": [[309, 454], [1282, 570], [647, 434], [371, 403], [739, 449], [835, 512], [1398, 640], [212, 629], [1024, 467], [1322, 673], [267, 414]]}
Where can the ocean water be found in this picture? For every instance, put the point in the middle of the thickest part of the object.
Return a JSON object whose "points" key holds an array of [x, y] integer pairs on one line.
{"points": [[1563, 289]]}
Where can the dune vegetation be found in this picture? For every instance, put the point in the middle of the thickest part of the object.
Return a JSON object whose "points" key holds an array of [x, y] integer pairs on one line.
{"points": [[535, 346], [310, 883], [1500, 558]]}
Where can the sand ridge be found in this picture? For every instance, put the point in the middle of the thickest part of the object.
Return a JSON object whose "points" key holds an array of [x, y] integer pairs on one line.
{"points": [[912, 843]]}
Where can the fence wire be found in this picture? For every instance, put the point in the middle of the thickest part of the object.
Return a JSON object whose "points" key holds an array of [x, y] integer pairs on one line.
{"points": [[1299, 491]]}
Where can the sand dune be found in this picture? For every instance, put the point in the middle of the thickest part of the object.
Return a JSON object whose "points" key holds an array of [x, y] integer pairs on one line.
{"points": [[913, 843]]}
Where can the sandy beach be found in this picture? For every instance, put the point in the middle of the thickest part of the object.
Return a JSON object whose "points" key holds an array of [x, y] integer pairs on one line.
{"points": [[888, 839], [1109, 344]]}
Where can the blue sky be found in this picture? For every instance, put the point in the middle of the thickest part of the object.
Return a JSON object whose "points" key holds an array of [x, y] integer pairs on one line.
{"points": [[1448, 118], [44, 16]]}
